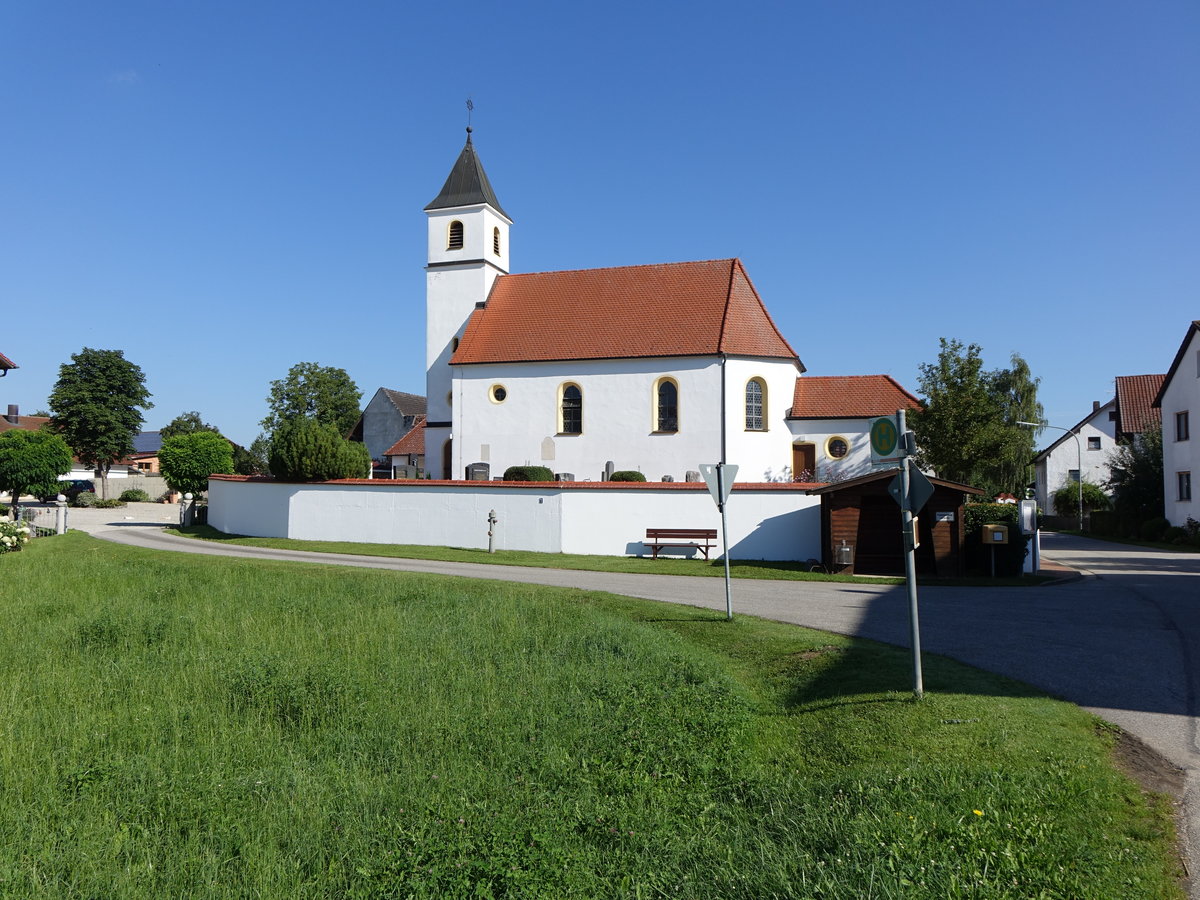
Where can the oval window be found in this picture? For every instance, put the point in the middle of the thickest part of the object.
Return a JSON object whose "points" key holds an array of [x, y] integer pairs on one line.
{"points": [[498, 393], [837, 447]]}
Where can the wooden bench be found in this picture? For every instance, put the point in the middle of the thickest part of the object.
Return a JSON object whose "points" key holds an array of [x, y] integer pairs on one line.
{"points": [[702, 539]]}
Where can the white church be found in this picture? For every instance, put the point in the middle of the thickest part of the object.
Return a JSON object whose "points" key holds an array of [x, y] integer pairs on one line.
{"points": [[655, 368]]}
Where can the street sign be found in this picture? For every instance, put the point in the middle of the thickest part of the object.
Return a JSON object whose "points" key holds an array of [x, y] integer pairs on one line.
{"points": [[884, 437], [719, 484], [919, 489]]}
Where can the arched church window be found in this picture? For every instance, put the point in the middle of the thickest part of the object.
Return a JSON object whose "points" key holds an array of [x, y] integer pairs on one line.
{"points": [[496, 241], [570, 410], [455, 240], [756, 405], [666, 406]]}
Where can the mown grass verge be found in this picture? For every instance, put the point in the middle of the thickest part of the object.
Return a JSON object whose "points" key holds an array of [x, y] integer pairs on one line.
{"points": [[201, 727], [739, 568]]}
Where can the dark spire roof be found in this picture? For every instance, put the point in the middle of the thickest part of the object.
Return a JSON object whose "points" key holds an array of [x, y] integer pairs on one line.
{"points": [[468, 184]]}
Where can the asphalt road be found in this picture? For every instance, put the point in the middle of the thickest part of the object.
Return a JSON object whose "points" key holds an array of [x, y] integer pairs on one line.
{"points": [[1123, 640]]}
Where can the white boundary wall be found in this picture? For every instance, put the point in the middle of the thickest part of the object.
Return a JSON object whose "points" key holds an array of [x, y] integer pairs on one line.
{"points": [[765, 521]]}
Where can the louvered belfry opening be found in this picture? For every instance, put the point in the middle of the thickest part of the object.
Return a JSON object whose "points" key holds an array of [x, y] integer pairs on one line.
{"points": [[455, 241]]}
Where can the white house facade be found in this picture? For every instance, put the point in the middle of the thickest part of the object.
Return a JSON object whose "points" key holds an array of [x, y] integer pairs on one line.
{"points": [[1060, 464], [1177, 399], [830, 423]]}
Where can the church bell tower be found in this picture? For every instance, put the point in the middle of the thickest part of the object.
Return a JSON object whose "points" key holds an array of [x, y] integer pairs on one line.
{"points": [[468, 248]]}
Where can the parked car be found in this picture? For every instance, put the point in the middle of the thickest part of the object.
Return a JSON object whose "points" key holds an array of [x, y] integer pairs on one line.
{"points": [[70, 490]]}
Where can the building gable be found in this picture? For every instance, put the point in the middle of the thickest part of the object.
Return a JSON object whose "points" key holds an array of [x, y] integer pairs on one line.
{"points": [[1135, 402]]}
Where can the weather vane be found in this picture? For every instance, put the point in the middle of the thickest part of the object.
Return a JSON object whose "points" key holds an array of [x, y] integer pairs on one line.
{"points": [[470, 108]]}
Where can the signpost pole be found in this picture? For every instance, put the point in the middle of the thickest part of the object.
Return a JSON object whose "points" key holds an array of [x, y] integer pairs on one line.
{"points": [[720, 477], [910, 558], [725, 541]]}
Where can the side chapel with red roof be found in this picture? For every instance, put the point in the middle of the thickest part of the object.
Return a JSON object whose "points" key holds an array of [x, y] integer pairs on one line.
{"points": [[656, 368]]}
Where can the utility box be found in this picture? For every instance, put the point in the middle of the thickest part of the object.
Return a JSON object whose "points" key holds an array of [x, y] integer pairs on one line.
{"points": [[995, 534], [479, 471]]}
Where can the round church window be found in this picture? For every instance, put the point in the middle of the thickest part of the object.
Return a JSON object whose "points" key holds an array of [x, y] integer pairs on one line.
{"points": [[837, 447], [497, 393]]}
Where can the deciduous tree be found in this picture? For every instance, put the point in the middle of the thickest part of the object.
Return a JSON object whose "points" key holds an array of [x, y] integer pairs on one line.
{"points": [[1135, 476], [322, 393], [97, 405], [966, 430], [31, 461], [187, 460], [186, 423]]}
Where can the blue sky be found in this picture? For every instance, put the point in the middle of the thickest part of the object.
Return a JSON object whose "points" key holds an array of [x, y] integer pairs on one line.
{"points": [[222, 190]]}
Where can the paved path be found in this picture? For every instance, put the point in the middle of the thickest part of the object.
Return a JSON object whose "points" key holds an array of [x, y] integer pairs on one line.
{"points": [[1122, 641]]}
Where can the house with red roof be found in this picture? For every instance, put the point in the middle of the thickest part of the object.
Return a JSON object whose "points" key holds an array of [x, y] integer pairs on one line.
{"points": [[1177, 398], [655, 368], [6, 364], [830, 421], [1081, 452]]}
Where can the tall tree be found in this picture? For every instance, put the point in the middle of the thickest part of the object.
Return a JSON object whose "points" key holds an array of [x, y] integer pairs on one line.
{"points": [[325, 394], [31, 461], [1016, 390], [966, 430], [97, 405], [186, 423]]}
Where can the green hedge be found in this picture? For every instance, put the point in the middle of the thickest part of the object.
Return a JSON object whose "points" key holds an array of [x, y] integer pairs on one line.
{"points": [[1010, 557], [134, 495], [528, 473], [627, 475]]}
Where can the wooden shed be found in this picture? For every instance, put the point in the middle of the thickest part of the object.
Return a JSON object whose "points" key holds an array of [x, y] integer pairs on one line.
{"points": [[862, 514]]}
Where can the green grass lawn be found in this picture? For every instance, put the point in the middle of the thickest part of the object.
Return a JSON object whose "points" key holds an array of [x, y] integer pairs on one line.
{"points": [[197, 727]]}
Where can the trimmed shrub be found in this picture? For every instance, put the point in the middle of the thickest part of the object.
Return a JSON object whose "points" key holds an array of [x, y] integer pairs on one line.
{"points": [[1175, 535], [110, 503], [85, 499], [1153, 529], [528, 473], [627, 475], [134, 495], [305, 450]]}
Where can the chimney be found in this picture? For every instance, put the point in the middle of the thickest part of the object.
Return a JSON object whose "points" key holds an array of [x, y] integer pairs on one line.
{"points": [[14, 416], [1095, 406]]}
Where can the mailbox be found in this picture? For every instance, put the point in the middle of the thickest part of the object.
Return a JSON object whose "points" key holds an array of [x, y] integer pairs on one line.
{"points": [[843, 554], [995, 534]]}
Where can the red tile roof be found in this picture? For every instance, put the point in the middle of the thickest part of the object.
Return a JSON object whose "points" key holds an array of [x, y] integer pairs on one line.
{"points": [[848, 397], [674, 309], [6, 363], [25, 423], [412, 444], [1135, 394]]}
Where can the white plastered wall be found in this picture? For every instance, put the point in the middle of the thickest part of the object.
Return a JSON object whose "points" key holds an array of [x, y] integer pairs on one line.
{"points": [[760, 455], [763, 524], [618, 419], [819, 432], [1182, 394]]}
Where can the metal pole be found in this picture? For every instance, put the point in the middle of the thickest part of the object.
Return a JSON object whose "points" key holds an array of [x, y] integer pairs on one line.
{"points": [[910, 563], [1078, 460], [725, 541]]}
